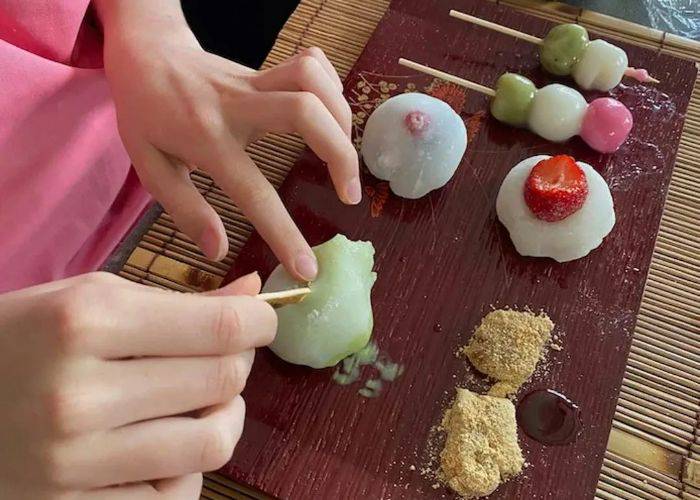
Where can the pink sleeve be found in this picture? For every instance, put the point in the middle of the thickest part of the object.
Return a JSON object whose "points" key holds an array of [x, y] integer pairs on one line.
{"points": [[68, 193], [48, 28]]}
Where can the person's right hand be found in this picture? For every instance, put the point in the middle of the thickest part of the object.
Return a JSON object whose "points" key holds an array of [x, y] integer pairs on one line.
{"points": [[113, 390]]}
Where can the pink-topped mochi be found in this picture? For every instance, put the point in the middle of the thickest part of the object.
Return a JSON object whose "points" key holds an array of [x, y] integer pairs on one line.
{"points": [[606, 124]]}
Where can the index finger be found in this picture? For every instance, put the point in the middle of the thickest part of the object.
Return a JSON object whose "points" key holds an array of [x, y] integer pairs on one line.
{"points": [[303, 112], [261, 204], [325, 62]]}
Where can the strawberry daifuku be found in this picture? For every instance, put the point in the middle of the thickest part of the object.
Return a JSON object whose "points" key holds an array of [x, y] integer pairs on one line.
{"points": [[555, 207]]}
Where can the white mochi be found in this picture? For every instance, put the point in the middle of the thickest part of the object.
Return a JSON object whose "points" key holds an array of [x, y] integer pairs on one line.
{"points": [[601, 67], [557, 112], [419, 161]]}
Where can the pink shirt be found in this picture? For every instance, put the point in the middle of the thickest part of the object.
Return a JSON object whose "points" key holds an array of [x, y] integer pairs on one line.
{"points": [[68, 193]]}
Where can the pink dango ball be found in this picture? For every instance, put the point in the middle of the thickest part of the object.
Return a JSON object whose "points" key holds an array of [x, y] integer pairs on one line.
{"points": [[606, 124]]}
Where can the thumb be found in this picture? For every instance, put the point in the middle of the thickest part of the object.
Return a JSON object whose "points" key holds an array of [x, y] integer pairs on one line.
{"points": [[245, 285]]}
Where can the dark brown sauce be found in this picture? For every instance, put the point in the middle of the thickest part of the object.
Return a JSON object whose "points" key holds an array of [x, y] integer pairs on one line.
{"points": [[549, 417]]}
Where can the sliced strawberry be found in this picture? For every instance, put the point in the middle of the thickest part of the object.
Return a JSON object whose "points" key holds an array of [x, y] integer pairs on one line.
{"points": [[556, 188]]}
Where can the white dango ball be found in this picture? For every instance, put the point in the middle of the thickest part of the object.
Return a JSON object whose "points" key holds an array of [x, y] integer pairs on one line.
{"points": [[557, 112], [601, 66], [568, 239], [414, 141], [335, 320]]}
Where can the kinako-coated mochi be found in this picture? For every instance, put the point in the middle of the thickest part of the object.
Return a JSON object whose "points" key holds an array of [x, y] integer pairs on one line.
{"points": [[481, 446]]}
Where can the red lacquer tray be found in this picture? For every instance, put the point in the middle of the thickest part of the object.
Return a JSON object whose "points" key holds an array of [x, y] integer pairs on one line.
{"points": [[446, 259]]}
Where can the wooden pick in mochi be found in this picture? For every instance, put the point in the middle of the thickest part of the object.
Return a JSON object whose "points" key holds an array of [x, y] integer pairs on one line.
{"points": [[284, 297]]}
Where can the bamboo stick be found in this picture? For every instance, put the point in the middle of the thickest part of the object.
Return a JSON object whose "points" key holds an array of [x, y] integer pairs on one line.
{"points": [[447, 77], [285, 297]]}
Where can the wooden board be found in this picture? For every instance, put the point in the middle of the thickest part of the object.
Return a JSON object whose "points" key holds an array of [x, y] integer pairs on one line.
{"points": [[307, 437]]}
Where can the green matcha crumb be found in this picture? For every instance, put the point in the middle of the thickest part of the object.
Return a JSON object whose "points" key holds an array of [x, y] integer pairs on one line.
{"points": [[367, 355], [372, 388], [368, 393], [349, 370], [374, 384], [349, 364], [388, 371], [346, 378]]}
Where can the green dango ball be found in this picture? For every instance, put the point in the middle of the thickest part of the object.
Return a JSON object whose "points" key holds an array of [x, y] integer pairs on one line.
{"points": [[562, 48], [514, 95]]}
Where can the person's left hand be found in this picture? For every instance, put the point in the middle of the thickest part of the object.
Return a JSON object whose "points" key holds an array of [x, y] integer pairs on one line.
{"points": [[179, 107]]}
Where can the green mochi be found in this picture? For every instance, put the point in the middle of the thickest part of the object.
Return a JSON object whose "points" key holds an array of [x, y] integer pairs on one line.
{"points": [[335, 320], [514, 95], [562, 48]]}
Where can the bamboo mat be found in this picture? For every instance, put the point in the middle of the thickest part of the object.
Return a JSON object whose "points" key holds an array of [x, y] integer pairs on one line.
{"points": [[654, 446]]}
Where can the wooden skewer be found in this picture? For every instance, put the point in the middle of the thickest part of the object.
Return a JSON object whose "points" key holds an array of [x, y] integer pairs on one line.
{"points": [[496, 27], [447, 77], [285, 297], [517, 34]]}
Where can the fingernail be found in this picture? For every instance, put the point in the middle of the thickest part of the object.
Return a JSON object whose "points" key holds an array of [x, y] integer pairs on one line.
{"points": [[250, 275], [212, 245], [306, 266], [255, 278], [353, 191]]}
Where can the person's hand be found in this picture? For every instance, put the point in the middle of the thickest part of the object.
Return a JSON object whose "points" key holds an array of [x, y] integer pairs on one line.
{"points": [[113, 390], [179, 107]]}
